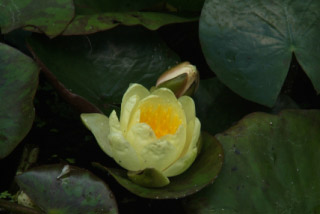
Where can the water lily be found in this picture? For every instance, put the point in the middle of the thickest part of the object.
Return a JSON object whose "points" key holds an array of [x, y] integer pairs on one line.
{"points": [[155, 131]]}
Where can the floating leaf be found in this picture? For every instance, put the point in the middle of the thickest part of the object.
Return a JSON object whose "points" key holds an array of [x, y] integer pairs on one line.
{"points": [[149, 178], [57, 190], [202, 172], [50, 16], [187, 5], [18, 84], [89, 7], [88, 24], [95, 16], [100, 67], [271, 166], [249, 44], [218, 107]]}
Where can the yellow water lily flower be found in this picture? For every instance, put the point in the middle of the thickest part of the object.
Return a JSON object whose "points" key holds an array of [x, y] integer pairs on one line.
{"points": [[156, 130]]}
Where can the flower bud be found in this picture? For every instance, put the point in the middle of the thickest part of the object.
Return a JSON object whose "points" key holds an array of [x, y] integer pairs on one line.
{"points": [[182, 79]]}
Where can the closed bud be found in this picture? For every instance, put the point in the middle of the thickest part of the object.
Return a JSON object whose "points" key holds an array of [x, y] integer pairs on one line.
{"points": [[182, 79]]}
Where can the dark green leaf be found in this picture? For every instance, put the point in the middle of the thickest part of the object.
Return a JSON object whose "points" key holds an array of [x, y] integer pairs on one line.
{"points": [[17, 39], [87, 24], [50, 16], [218, 107], [76, 191], [249, 44], [94, 16], [149, 178], [18, 84], [90, 7], [271, 166], [187, 5], [202, 172], [100, 67]]}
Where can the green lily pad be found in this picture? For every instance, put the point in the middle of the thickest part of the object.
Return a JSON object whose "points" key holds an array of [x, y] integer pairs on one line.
{"points": [[50, 16], [149, 178], [203, 171], [100, 67], [218, 107], [95, 16], [88, 24], [89, 7], [249, 44], [271, 166], [18, 84], [187, 5], [67, 189]]}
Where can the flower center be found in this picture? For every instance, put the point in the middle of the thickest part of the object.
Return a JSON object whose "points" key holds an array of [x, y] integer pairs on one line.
{"points": [[162, 118]]}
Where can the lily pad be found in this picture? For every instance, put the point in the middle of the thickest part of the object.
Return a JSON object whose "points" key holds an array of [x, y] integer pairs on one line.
{"points": [[187, 5], [74, 191], [88, 24], [100, 67], [95, 16], [271, 166], [249, 44], [50, 16], [18, 84], [89, 7], [203, 171], [149, 178], [218, 107]]}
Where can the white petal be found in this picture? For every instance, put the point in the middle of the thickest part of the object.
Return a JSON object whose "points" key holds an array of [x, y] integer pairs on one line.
{"points": [[159, 154], [165, 94], [196, 133], [114, 122], [182, 164], [178, 139], [188, 107], [135, 89], [185, 161], [98, 124], [132, 96], [140, 135], [126, 109], [123, 153]]}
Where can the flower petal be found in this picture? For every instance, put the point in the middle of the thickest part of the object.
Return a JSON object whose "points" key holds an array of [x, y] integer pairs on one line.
{"points": [[187, 159], [159, 154], [178, 139], [181, 164], [98, 124], [140, 135], [123, 153], [165, 94], [132, 96], [188, 107], [126, 110], [114, 123]]}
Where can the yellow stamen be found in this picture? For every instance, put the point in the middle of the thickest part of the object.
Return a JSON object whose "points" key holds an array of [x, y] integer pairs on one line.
{"points": [[162, 118]]}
